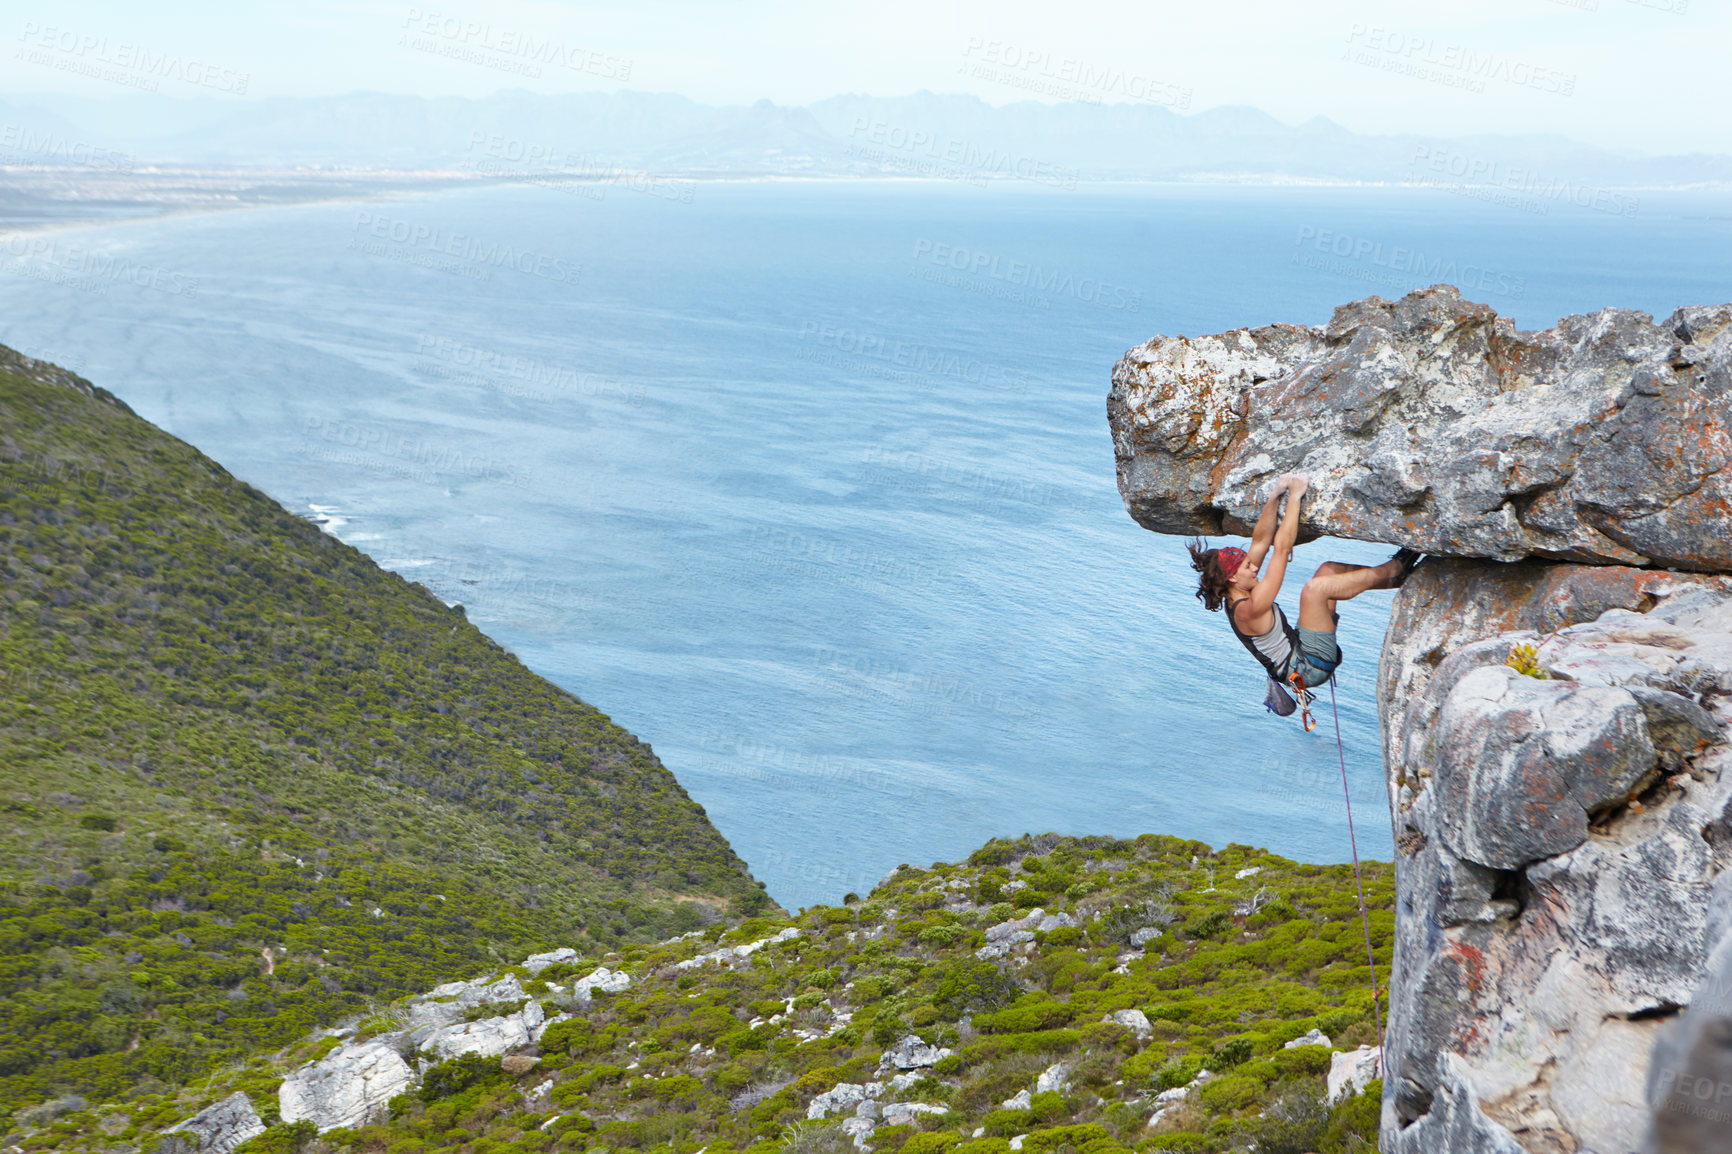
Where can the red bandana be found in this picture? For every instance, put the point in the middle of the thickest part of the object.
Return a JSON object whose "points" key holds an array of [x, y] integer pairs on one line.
{"points": [[1231, 558]]}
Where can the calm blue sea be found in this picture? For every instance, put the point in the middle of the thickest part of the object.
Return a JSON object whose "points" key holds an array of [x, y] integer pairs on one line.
{"points": [[810, 484]]}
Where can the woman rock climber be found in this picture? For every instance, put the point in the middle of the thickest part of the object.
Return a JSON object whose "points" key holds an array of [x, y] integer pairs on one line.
{"points": [[1230, 576]]}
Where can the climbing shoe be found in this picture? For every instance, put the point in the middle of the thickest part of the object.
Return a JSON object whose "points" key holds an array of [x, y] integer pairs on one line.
{"points": [[1410, 559]]}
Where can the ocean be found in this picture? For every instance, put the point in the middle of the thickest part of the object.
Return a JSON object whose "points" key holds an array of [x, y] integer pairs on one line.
{"points": [[809, 484]]}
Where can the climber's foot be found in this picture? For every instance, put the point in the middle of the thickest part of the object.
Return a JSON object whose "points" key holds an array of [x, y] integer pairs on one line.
{"points": [[1409, 559]]}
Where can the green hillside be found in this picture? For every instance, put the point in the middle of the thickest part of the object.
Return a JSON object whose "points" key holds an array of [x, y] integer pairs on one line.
{"points": [[733, 1055], [250, 782]]}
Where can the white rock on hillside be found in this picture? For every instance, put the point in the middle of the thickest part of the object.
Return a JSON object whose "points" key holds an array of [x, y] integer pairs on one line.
{"points": [[1135, 1021], [844, 1096], [535, 963], [446, 1004], [217, 1129], [1350, 1072], [1315, 1037], [1019, 1102], [1054, 1077], [912, 1053], [488, 1037], [603, 980], [345, 1087], [858, 1129], [731, 953], [907, 1113]]}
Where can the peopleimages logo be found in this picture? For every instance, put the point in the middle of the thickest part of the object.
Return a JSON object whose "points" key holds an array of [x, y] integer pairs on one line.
{"points": [[481, 42], [88, 54], [948, 154], [1023, 275], [1397, 266], [21, 145], [1480, 174], [409, 236]]}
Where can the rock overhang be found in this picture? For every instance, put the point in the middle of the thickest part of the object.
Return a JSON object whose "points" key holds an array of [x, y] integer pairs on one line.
{"points": [[1432, 422]]}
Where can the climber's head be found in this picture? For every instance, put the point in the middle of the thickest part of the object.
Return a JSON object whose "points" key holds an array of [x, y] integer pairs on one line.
{"points": [[1220, 570]]}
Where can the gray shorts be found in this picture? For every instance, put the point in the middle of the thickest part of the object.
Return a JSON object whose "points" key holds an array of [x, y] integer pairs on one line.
{"points": [[1317, 657]]}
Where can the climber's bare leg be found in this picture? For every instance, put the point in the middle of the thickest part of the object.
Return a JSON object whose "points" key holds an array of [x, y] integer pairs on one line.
{"points": [[1337, 581]]}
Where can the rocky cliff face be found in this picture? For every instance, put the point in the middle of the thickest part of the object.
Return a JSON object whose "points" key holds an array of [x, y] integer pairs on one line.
{"points": [[1565, 827]]}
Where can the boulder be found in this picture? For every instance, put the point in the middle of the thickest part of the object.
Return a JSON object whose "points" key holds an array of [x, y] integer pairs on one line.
{"points": [[1016, 928], [449, 1003], [535, 963], [1054, 1077], [1021, 1100], [908, 1113], [859, 1129], [1351, 1072], [603, 979], [488, 1037], [1135, 1021], [1312, 1037], [217, 1129], [1432, 422], [912, 1053], [346, 1087], [843, 1098]]}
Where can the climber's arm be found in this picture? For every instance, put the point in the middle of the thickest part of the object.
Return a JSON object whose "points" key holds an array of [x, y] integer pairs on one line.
{"points": [[1264, 534], [1286, 536]]}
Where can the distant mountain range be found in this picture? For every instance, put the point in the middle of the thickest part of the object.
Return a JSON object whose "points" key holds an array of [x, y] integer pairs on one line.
{"points": [[923, 135]]}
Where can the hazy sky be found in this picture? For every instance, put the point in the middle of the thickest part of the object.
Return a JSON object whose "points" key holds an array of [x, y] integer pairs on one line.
{"points": [[1635, 75]]}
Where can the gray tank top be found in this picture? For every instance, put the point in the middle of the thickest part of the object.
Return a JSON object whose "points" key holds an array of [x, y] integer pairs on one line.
{"points": [[1273, 648]]}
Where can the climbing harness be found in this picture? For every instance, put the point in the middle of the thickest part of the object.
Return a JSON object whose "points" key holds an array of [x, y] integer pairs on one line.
{"points": [[1364, 918]]}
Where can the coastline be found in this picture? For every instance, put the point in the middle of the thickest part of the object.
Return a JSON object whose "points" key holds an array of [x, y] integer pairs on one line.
{"points": [[43, 198]]}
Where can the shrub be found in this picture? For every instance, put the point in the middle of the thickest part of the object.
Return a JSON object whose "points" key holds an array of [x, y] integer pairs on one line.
{"points": [[1229, 1092], [98, 821], [284, 1138], [1181, 1143], [1290, 1124], [458, 1074], [1089, 1137], [1353, 1122], [935, 1142], [1207, 925], [1007, 1122], [817, 1138], [974, 986], [983, 1146], [1177, 1072], [1048, 1106], [1022, 1019], [1230, 1053]]}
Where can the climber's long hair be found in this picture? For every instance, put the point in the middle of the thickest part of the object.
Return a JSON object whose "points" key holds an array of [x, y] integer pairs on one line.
{"points": [[1212, 581]]}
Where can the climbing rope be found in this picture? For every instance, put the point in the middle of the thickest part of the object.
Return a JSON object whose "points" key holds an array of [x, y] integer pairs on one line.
{"points": [[1364, 918]]}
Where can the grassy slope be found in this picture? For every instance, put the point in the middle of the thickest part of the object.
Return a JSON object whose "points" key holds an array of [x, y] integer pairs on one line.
{"points": [[224, 733], [708, 1057]]}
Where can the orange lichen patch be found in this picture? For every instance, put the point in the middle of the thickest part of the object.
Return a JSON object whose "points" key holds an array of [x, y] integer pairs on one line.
{"points": [[1472, 960]]}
